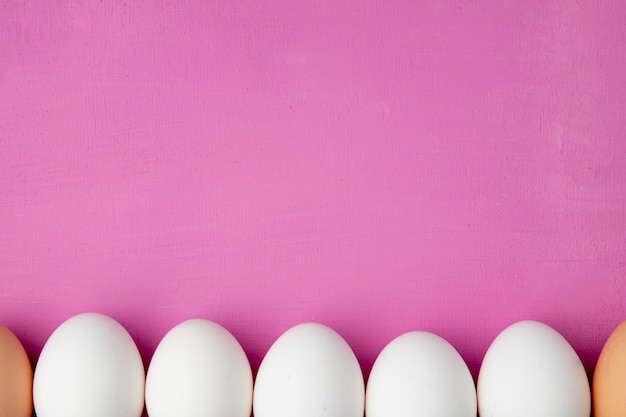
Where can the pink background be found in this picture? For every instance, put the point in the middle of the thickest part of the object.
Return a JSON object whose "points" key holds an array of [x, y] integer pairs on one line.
{"points": [[452, 166]]}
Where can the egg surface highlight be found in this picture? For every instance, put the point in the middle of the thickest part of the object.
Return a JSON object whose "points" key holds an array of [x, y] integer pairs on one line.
{"points": [[309, 371], [199, 369], [531, 370], [90, 366], [420, 374]]}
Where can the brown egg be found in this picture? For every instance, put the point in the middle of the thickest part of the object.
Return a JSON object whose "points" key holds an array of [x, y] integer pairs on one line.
{"points": [[16, 377], [609, 379]]}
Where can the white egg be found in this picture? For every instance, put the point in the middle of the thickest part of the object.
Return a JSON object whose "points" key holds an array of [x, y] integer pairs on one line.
{"points": [[420, 374], [310, 371], [90, 366], [531, 370], [199, 369]]}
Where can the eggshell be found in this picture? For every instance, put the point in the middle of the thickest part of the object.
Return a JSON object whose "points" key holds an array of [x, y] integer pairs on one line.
{"points": [[609, 378], [420, 374], [89, 366], [531, 370], [16, 377], [199, 369], [310, 371]]}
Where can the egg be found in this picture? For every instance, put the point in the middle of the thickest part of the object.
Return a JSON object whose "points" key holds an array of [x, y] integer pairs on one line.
{"points": [[16, 377], [199, 369], [309, 371], [90, 366], [609, 377], [531, 370], [420, 374]]}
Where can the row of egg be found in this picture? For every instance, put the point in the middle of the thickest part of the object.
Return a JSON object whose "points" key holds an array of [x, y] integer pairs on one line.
{"points": [[90, 366]]}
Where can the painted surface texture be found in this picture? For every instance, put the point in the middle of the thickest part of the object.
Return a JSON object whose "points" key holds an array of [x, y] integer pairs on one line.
{"points": [[451, 166]]}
